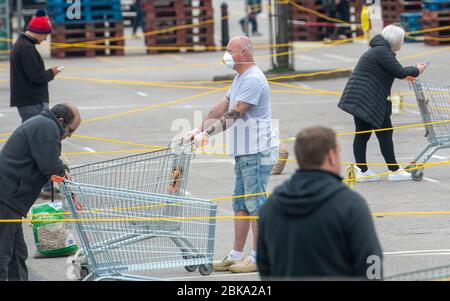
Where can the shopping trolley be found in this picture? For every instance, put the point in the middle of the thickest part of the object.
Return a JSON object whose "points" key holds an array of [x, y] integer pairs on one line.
{"points": [[434, 105], [126, 231], [163, 171]]}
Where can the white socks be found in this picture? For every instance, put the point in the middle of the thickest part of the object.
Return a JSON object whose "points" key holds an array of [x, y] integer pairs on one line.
{"points": [[235, 255], [253, 255]]}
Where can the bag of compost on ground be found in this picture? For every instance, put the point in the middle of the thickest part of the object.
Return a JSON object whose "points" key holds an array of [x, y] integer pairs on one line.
{"points": [[52, 238]]}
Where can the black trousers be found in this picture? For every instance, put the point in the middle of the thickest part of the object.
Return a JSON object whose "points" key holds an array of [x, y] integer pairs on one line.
{"points": [[13, 250], [384, 139], [138, 21], [342, 11]]}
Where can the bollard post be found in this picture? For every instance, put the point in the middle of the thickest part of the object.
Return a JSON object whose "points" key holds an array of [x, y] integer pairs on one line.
{"points": [[225, 27], [397, 103], [282, 35], [350, 176]]}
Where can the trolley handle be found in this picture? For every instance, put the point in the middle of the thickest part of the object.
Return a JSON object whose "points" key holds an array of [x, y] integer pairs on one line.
{"points": [[57, 179]]}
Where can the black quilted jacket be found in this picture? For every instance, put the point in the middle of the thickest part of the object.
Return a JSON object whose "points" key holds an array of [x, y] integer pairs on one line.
{"points": [[367, 90]]}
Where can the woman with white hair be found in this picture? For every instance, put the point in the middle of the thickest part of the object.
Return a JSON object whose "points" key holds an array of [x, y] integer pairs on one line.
{"points": [[366, 98]]}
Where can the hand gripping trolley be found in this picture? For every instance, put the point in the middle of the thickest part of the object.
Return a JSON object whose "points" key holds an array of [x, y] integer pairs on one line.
{"points": [[434, 104], [162, 174], [126, 231]]}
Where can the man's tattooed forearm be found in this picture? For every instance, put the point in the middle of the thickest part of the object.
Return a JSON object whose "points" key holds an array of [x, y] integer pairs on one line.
{"points": [[233, 115]]}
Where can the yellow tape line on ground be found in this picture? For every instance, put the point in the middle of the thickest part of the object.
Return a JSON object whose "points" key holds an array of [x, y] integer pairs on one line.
{"points": [[381, 130], [135, 83], [197, 218], [184, 99], [116, 141], [422, 166]]}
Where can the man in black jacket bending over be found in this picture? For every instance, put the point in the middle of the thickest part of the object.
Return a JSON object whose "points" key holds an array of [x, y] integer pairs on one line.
{"points": [[313, 225], [27, 161], [29, 79]]}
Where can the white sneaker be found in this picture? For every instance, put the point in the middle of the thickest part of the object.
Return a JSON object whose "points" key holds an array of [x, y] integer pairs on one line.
{"points": [[399, 175], [368, 176]]}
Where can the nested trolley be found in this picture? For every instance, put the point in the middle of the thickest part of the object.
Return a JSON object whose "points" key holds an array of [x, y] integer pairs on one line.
{"points": [[434, 105], [159, 176], [124, 232], [163, 171]]}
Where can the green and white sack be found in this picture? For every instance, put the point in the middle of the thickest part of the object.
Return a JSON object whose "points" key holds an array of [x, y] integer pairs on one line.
{"points": [[52, 238]]}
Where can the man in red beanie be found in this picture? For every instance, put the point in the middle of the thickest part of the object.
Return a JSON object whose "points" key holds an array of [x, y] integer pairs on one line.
{"points": [[29, 78]]}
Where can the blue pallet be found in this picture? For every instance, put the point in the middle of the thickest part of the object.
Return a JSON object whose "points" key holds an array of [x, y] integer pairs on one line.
{"points": [[55, 11], [410, 16], [83, 2], [435, 5], [109, 16], [115, 5], [413, 41]]}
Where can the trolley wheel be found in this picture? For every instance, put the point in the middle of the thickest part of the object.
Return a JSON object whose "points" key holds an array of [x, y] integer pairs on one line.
{"points": [[205, 269], [84, 271], [190, 268], [417, 174]]}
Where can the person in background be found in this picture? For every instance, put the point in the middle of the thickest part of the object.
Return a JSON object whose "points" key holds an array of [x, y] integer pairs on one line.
{"points": [[337, 9], [366, 97], [138, 21], [27, 161], [253, 8], [28, 77], [371, 19], [313, 225]]}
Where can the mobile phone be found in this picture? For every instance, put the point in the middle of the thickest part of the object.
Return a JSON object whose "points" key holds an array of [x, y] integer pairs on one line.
{"points": [[427, 63], [60, 68]]}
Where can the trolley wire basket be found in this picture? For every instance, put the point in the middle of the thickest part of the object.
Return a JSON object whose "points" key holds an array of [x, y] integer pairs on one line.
{"points": [[433, 101], [125, 231], [163, 171]]}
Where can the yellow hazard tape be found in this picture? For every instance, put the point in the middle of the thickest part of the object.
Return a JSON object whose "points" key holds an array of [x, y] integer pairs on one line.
{"points": [[184, 99]]}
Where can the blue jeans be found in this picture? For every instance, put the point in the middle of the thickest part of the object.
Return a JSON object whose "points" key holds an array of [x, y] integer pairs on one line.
{"points": [[252, 174], [27, 112]]}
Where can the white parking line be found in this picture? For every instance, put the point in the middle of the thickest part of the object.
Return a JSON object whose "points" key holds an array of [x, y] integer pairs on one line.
{"points": [[338, 57], [412, 112], [439, 157], [426, 254], [431, 180], [423, 252]]}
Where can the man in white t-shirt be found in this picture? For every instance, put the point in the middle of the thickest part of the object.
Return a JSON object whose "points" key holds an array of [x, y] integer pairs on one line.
{"points": [[246, 113]]}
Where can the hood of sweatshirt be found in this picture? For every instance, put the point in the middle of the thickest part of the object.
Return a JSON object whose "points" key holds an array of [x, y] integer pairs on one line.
{"points": [[306, 191]]}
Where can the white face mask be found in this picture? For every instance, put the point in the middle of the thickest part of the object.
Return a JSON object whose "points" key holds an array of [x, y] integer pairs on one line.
{"points": [[228, 60]]}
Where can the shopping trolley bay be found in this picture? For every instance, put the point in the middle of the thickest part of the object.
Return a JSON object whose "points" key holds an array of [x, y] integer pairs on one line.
{"points": [[146, 210]]}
